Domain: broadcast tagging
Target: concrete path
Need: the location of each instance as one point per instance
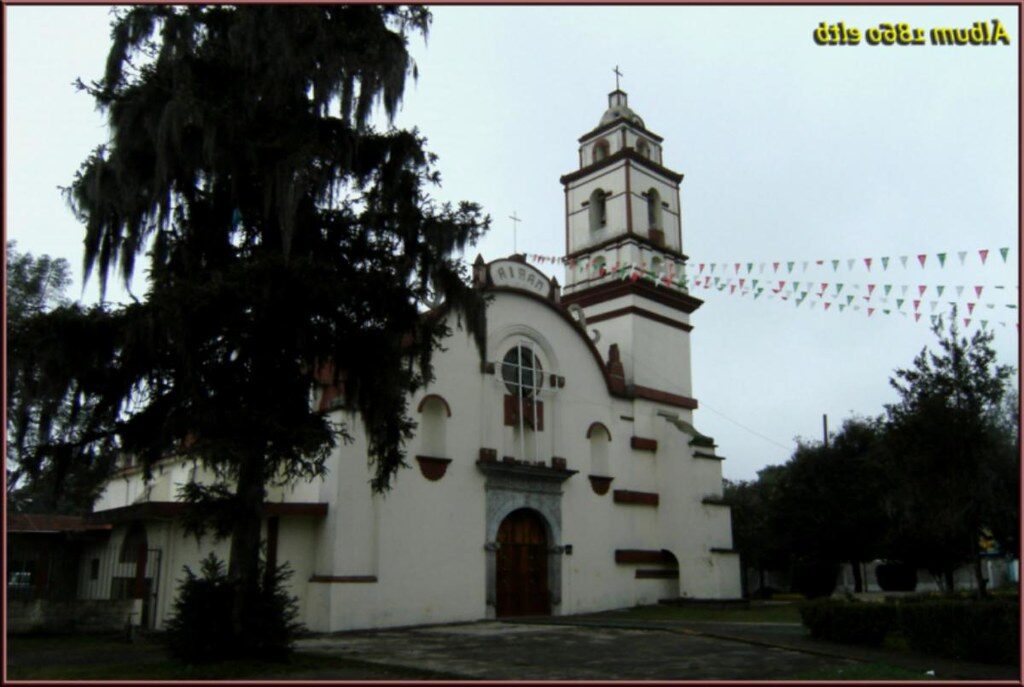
(522, 651)
(603, 647)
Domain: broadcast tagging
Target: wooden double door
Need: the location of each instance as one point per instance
(522, 566)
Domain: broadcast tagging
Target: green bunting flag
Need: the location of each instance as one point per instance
(835, 265)
(942, 259)
(750, 266)
(839, 288)
(1004, 252)
(903, 261)
(940, 289)
(849, 299)
(899, 302)
(789, 267)
(888, 288)
(885, 263)
(841, 307)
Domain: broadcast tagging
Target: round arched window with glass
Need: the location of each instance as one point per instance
(522, 372)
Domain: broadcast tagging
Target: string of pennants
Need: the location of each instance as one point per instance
(787, 266)
(885, 294)
(798, 291)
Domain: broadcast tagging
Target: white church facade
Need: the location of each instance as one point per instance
(562, 475)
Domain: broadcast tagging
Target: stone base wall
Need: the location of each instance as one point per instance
(78, 615)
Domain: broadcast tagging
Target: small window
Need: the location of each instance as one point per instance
(600, 150)
(522, 372)
(643, 148)
(653, 209)
(598, 210)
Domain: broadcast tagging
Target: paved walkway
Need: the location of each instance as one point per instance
(601, 646)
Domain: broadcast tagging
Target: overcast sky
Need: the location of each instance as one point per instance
(791, 152)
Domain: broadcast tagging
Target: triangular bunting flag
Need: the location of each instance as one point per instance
(741, 282)
(841, 307)
(885, 263)
(867, 261)
(984, 255)
(917, 304)
(933, 305)
(804, 265)
(984, 323)
(789, 267)
(959, 291)
(921, 288)
(977, 290)
(775, 266)
(839, 287)
(903, 261)
(750, 267)
(871, 289)
(917, 316)
(942, 259)
(737, 268)
(888, 288)
(781, 285)
(826, 305)
(835, 265)
(849, 263)
(962, 254)
(1004, 252)
(940, 288)
(903, 289)
(871, 311)
(967, 322)
(712, 270)
(921, 258)
(849, 299)
(899, 302)
(970, 308)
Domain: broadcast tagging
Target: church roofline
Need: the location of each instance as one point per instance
(623, 154)
(610, 290)
(620, 122)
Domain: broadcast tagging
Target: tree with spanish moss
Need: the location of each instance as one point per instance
(288, 243)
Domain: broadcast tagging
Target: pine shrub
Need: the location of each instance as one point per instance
(201, 631)
(852, 622)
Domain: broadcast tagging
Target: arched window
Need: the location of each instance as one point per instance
(600, 150)
(433, 426)
(598, 210)
(643, 148)
(653, 209)
(600, 440)
(522, 372)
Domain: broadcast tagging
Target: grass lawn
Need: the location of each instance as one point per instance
(109, 657)
(756, 613)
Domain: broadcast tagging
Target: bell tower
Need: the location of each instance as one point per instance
(625, 265)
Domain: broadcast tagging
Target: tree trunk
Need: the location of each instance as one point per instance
(243, 568)
(979, 574)
(947, 575)
(858, 579)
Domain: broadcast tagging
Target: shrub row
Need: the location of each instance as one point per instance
(967, 630)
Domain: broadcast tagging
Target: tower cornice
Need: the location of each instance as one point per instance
(603, 128)
(618, 156)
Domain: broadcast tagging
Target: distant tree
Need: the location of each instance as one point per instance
(36, 482)
(289, 245)
(752, 532)
(955, 468)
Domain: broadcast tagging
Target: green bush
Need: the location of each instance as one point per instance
(968, 630)
(201, 630)
(852, 622)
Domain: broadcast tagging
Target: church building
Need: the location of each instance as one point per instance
(562, 475)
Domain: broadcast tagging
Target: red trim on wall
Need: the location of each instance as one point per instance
(639, 312)
(640, 498)
(617, 289)
(643, 556)
(595, 425)
(433, 468)
(600, 484)
(643, 444)
(437, 397)
(646, 574)
(664, 397)
(342, 579)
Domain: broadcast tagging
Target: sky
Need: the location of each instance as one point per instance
(792, 153)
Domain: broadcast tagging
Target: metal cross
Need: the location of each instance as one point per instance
(617, 75)
(515, 226)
